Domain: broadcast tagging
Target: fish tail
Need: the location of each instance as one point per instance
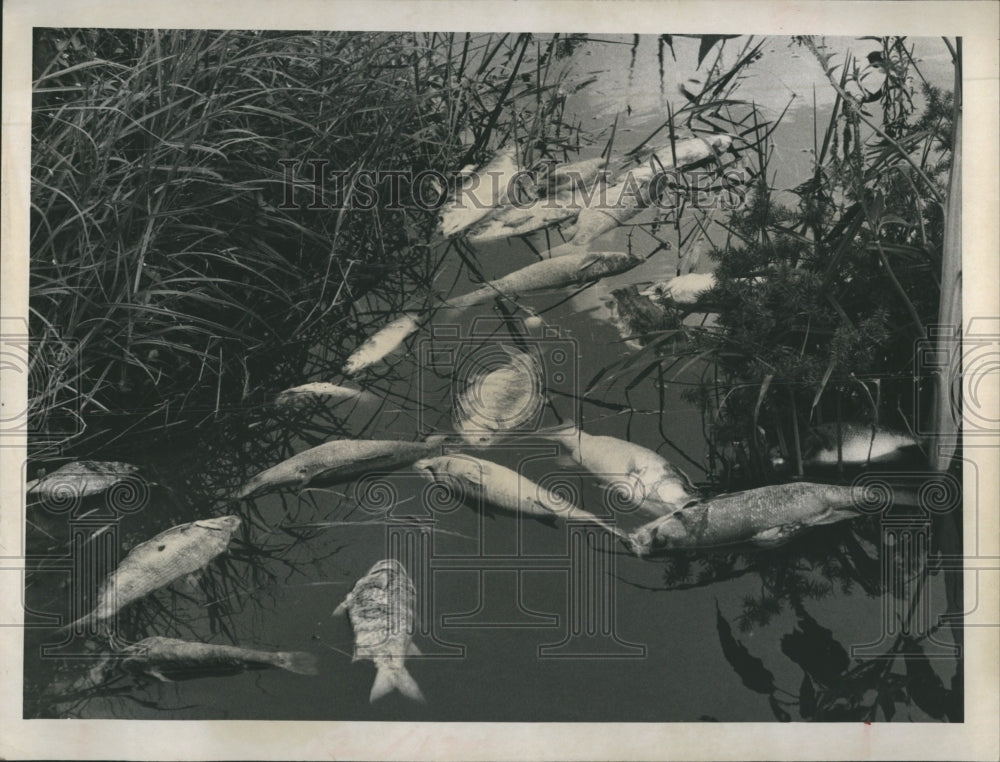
(392, 679)
(298, 662)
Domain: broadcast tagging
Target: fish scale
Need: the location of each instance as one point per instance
(764, 516)
(155, 563)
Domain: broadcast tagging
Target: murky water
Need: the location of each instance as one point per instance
(519, 620)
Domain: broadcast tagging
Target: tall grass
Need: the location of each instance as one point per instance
(162, 255)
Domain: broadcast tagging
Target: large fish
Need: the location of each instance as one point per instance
(158, 655)
(644, 478)
(178, 552)
(80, 479)
(577, 269)
(480, 193)
(381, 344)
(338, 461)
(765, 517)
(858, 444)
(490, 484)
(629, 195)
(382, 607)
(564, 195)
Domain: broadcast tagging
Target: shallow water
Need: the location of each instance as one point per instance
(519, 620)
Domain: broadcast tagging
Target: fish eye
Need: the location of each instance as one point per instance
(162, 547)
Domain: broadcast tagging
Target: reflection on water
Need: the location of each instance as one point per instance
(832, 626)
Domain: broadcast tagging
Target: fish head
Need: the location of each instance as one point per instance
(227, 524)
(661, 534)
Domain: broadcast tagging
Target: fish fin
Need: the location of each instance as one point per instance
(193, 579)
(155, 672)
(772, 537)
(833, 515)
(388, 680)
(343, 606)
(413, 650)
(566, 461)
(299, 662)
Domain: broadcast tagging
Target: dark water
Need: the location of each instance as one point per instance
(520, 620)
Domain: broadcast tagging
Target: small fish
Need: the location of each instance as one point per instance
(685, 290)
(481, 481)
(338, 461)
(178, 552)
(157, 655)
(81, 479)
(382, 608)
(499, 399)
(321, 390)
(650, 482)
(577, 269)
(765, 517)
(481, 192)
(859, 444)
(383, 343)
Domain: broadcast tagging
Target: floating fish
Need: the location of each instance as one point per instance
(81, 479)
(382, 608)
(481, 192)
(765, 517)
(339, 461)
(859, 444)
(157, 655)
(562, 200)
(481, 481)
(499, 399)
(684, 289)
(577, 269)
(178, 552)
(644, 478)
(321, 390)
(629, 195)
(383, 343)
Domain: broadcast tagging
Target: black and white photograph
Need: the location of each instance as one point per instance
(589, 378)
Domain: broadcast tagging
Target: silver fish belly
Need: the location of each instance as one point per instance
(338, 461)
(158, 654)
(642, 477)
(575, 269)
(167, 557)
(383, 343)
(765, 517)
(482, 192)
(382, 608)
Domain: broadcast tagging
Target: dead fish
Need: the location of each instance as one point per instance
(481, 192)
(321, 390)
(81, 479)
(629, 195)
(487, 483)
(338, 461)
(561, 199)
(382, 608)
(577, 269)
(859, 444)
(178, 552)
(383, 343)
(499, 399)
(156, 655)
(765, 517)
(644, 478)
(684, 289)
